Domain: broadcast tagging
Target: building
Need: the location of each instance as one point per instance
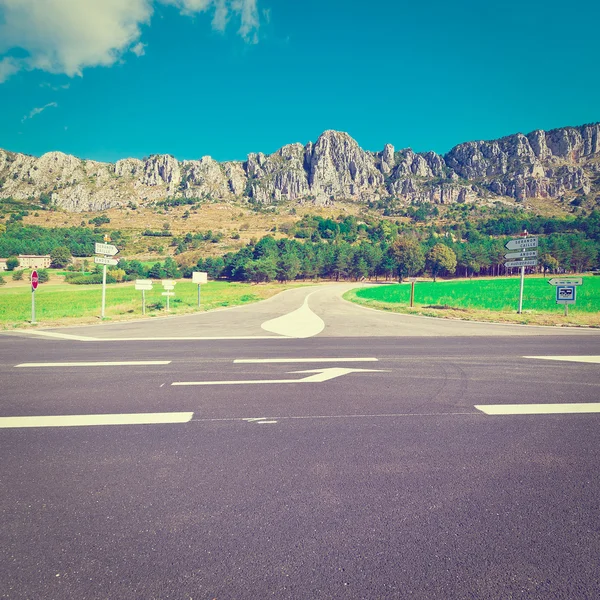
(2, 264)
(34, 261)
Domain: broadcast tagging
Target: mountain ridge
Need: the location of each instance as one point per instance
(556, 164)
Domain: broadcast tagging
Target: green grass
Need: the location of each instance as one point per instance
(487, 294)
(68, 304)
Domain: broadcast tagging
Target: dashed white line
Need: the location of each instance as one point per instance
(299, 360)
(539, 409)
(90, 420)
(123, 363)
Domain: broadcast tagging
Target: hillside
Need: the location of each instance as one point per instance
(560, 166)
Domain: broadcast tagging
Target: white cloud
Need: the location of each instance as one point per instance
(139, 49)
(37, 111)
(66, 36)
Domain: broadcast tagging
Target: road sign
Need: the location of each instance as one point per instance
(107, 249)
(524, 254)
(521, 263)
(168, 293)
(103, 260)
(529, 242)
(167, 282)
(565, 294)
(34, 280)
(571, 281)
(169, 287)
(143, 282)
(143, 288)
(199, 277)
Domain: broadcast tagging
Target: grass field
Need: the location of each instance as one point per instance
(487, 300)
(64, 304)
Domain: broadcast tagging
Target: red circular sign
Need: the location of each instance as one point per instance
(34, 280)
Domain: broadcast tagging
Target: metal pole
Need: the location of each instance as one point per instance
(168, 300)
(521, 291)
(103, 289)
(32, 306)
(143, 302)
(412, 293)
(566, 310)
(198, 295)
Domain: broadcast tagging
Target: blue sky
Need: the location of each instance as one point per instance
(118, 78)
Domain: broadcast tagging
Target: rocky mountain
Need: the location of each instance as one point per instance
(554, 164)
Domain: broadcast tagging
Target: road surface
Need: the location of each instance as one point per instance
(301, 447)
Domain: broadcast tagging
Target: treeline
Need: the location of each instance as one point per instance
(31, 239)
(405, 255)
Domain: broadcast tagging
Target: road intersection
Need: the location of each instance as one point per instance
(300, 447)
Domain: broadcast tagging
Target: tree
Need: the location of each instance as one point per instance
(441, 258)
(409, 256)
(43, 276)
(17, 275)
(60, 257)
(12, 263)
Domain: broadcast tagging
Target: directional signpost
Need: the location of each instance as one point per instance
(566, 290)
(144, 285)
(107, 250)
(34, 283)
(169, 286)
(528, 259)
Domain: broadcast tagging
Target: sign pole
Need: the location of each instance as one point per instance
(521, 290)
(32, 305)
(103, 289)
(143, 302)
(167, 303)
(412, 293)
(566, 310)
(198, 295)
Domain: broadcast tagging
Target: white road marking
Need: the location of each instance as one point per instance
(259, 421)
(300, 360)
(301, 323)
(266, 422)
(582, 359)
(89, 420)
(319, 376)
(60, 336)
(83, 338)
(539, 409)
(124, 363)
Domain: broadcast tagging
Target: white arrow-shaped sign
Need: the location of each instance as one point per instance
(524, 254)
(104, 260)
(319, 376)
(572, 281)
(107, 249)
(530, 242)
(521, 263)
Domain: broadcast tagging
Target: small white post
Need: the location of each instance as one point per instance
(198, 295)
(521, 290)
(32, 306)
(103, 289)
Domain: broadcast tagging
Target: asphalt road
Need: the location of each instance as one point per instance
(385, 482)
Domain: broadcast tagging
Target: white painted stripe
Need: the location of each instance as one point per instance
(300, 360)
(539, 409)
(582, 359)
(124, 363)
(88, 420)
(266, 422)
(60, 336)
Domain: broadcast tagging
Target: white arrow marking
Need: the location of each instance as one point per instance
(319, 376)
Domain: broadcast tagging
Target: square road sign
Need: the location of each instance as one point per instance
(565, 294)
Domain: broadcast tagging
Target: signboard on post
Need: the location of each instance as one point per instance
(199, 277)
(168, 285)
(34, 283)
(103, 260)
(143, 285)
(521, 263)
(107, 249)
(529, 259)
(566, 294)
(567, 281)
(525, 242)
